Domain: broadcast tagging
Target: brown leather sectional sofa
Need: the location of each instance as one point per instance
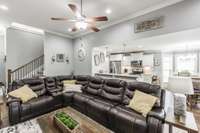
(103, 100)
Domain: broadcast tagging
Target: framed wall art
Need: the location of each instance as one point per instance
(102, 57)
(81, 54)
(60, 57)
(96, 60)
(147, 25)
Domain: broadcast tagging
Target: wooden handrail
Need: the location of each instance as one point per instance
(28, 70)
(27, 63)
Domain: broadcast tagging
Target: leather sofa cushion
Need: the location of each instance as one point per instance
(144, 87)
(37, 85)
(41, 103)
(59, 80)
(25, 109)
(15, 85)
(80, 100)
(68, 98)
(82, 79)
(81, 97)
(65, 77)
(98, 110)
(113, 90)
(125, 120)
(40, 90)
(94, 87)
(51, 87)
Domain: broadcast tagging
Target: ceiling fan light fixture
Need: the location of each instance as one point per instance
(108, 11)
(81, 25)
(3, 7)
(70, 29)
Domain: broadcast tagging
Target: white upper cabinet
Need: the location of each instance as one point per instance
(136, 56)
(148, 60)
(116, 57)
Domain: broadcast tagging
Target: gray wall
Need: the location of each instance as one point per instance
(57, 45)
(2, 63)
(178, 17)
(22, 47)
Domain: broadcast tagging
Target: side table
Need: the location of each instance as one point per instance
(189, 123)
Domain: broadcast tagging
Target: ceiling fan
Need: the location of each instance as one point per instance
(81, 21)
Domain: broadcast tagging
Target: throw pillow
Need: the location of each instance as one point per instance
(24, 93)
(142, 102)
(66, 82)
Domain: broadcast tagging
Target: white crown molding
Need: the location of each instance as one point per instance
(59, 34)
(47, 31)
(134, 15)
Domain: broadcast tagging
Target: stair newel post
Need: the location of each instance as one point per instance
(9, 76)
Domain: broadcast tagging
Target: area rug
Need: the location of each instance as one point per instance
(31, 126)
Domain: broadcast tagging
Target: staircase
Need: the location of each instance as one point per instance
(34, 68)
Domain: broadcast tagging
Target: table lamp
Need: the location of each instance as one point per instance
(147, 74)
(180, 86)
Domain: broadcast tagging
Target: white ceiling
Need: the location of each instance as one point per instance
(37, 13)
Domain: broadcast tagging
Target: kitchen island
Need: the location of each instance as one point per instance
(127, 77)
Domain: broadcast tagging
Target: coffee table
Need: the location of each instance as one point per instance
(87, 125)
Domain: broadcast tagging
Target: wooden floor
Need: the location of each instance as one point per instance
(196, 111)
(5, 122)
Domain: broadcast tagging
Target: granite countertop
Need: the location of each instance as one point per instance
(119, 75)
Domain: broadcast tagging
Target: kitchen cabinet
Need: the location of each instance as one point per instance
(116, 57)
(136, 56)
(147, 60)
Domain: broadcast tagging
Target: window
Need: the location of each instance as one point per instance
(179, 62)
(167, 66)
(186, 62)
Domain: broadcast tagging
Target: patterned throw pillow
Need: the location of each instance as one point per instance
(142, 102)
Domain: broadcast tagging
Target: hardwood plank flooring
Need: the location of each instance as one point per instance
(196, 111)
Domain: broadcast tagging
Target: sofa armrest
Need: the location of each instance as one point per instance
(14, 108)
(56, 94)
(68, 98)
(163, 98)
(83, 88)
(158, 113)
(154, 125)
(12, 99)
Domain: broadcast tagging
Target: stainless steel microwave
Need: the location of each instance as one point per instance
(136, 63)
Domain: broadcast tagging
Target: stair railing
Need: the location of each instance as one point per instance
(32, 69)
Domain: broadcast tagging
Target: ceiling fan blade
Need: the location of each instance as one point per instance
(61, 19)
(100, 18)
(95, 29)
(75, 10)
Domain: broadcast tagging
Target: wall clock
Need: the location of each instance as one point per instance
(81, 54)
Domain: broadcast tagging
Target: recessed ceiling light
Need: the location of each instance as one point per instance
(3, 7)
(108, 11)
(70, 29)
